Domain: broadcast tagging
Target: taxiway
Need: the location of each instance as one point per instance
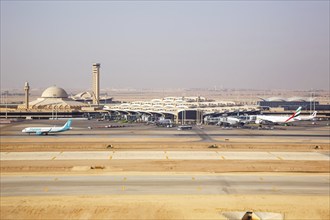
(165, 184)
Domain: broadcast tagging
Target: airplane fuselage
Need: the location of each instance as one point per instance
(47, 130)
(274, 119)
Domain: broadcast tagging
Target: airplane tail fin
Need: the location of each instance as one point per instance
(314, 114)
(295, 114)
(67, 125)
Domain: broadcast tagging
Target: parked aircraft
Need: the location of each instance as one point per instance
(46, 130)
(307, 118)
(247, 119)
(229, 121)
(164, 123)
(276, 119)
(211, 120)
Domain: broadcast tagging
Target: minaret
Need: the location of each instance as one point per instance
(27, 92)
(96, 83)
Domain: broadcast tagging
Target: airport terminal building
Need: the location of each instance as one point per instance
(87, 98)
(53, 98)
(179, 109)
(290, 104)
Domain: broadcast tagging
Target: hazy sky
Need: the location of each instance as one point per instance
(176, 44)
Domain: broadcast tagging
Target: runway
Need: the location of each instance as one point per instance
(195, 134)
(163, 155)
(205, 133)
(164, 184)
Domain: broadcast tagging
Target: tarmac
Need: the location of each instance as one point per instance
(163, 155)
(164, 185)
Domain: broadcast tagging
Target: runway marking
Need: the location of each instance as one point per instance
(280, 183)
(275, 189)
(55, 179)
(165, 152)
(193, 178)
(180, 155)
(261, 179)
(278, 157)
(124, 179)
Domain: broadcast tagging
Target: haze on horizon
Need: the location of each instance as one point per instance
(176, 44)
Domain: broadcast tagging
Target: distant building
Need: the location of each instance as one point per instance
(96, 83)
(292, 103)
(53, 98)
(27, 95)
(87, 97)
(178, 109)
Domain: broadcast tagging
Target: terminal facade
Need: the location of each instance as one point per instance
(183, 110)
(290, 104)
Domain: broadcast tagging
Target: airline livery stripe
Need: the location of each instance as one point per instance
(292, 116)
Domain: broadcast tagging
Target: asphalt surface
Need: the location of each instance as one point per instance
(208, 133)
(164, 184)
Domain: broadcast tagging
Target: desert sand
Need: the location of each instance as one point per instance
(161, 207)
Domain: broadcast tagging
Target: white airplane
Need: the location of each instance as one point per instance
(164, 122)
(229, 121)
(307, 118)
(275, 119)
(46, 130)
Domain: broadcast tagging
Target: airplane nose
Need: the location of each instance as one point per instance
(23, 130)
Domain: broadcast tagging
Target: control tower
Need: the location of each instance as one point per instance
(96, 83)
(27, 93)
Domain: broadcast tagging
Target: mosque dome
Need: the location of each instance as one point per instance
(54, 92)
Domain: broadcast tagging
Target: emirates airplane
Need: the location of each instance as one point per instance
(46, 130)
(279, 119)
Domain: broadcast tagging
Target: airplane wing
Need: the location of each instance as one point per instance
(45, 132)
(226, 123)
(264, 121)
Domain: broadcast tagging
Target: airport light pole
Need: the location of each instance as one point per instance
(310, 103)
(6, 92)
(314, 102)
(54, 110)
(184, 116)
